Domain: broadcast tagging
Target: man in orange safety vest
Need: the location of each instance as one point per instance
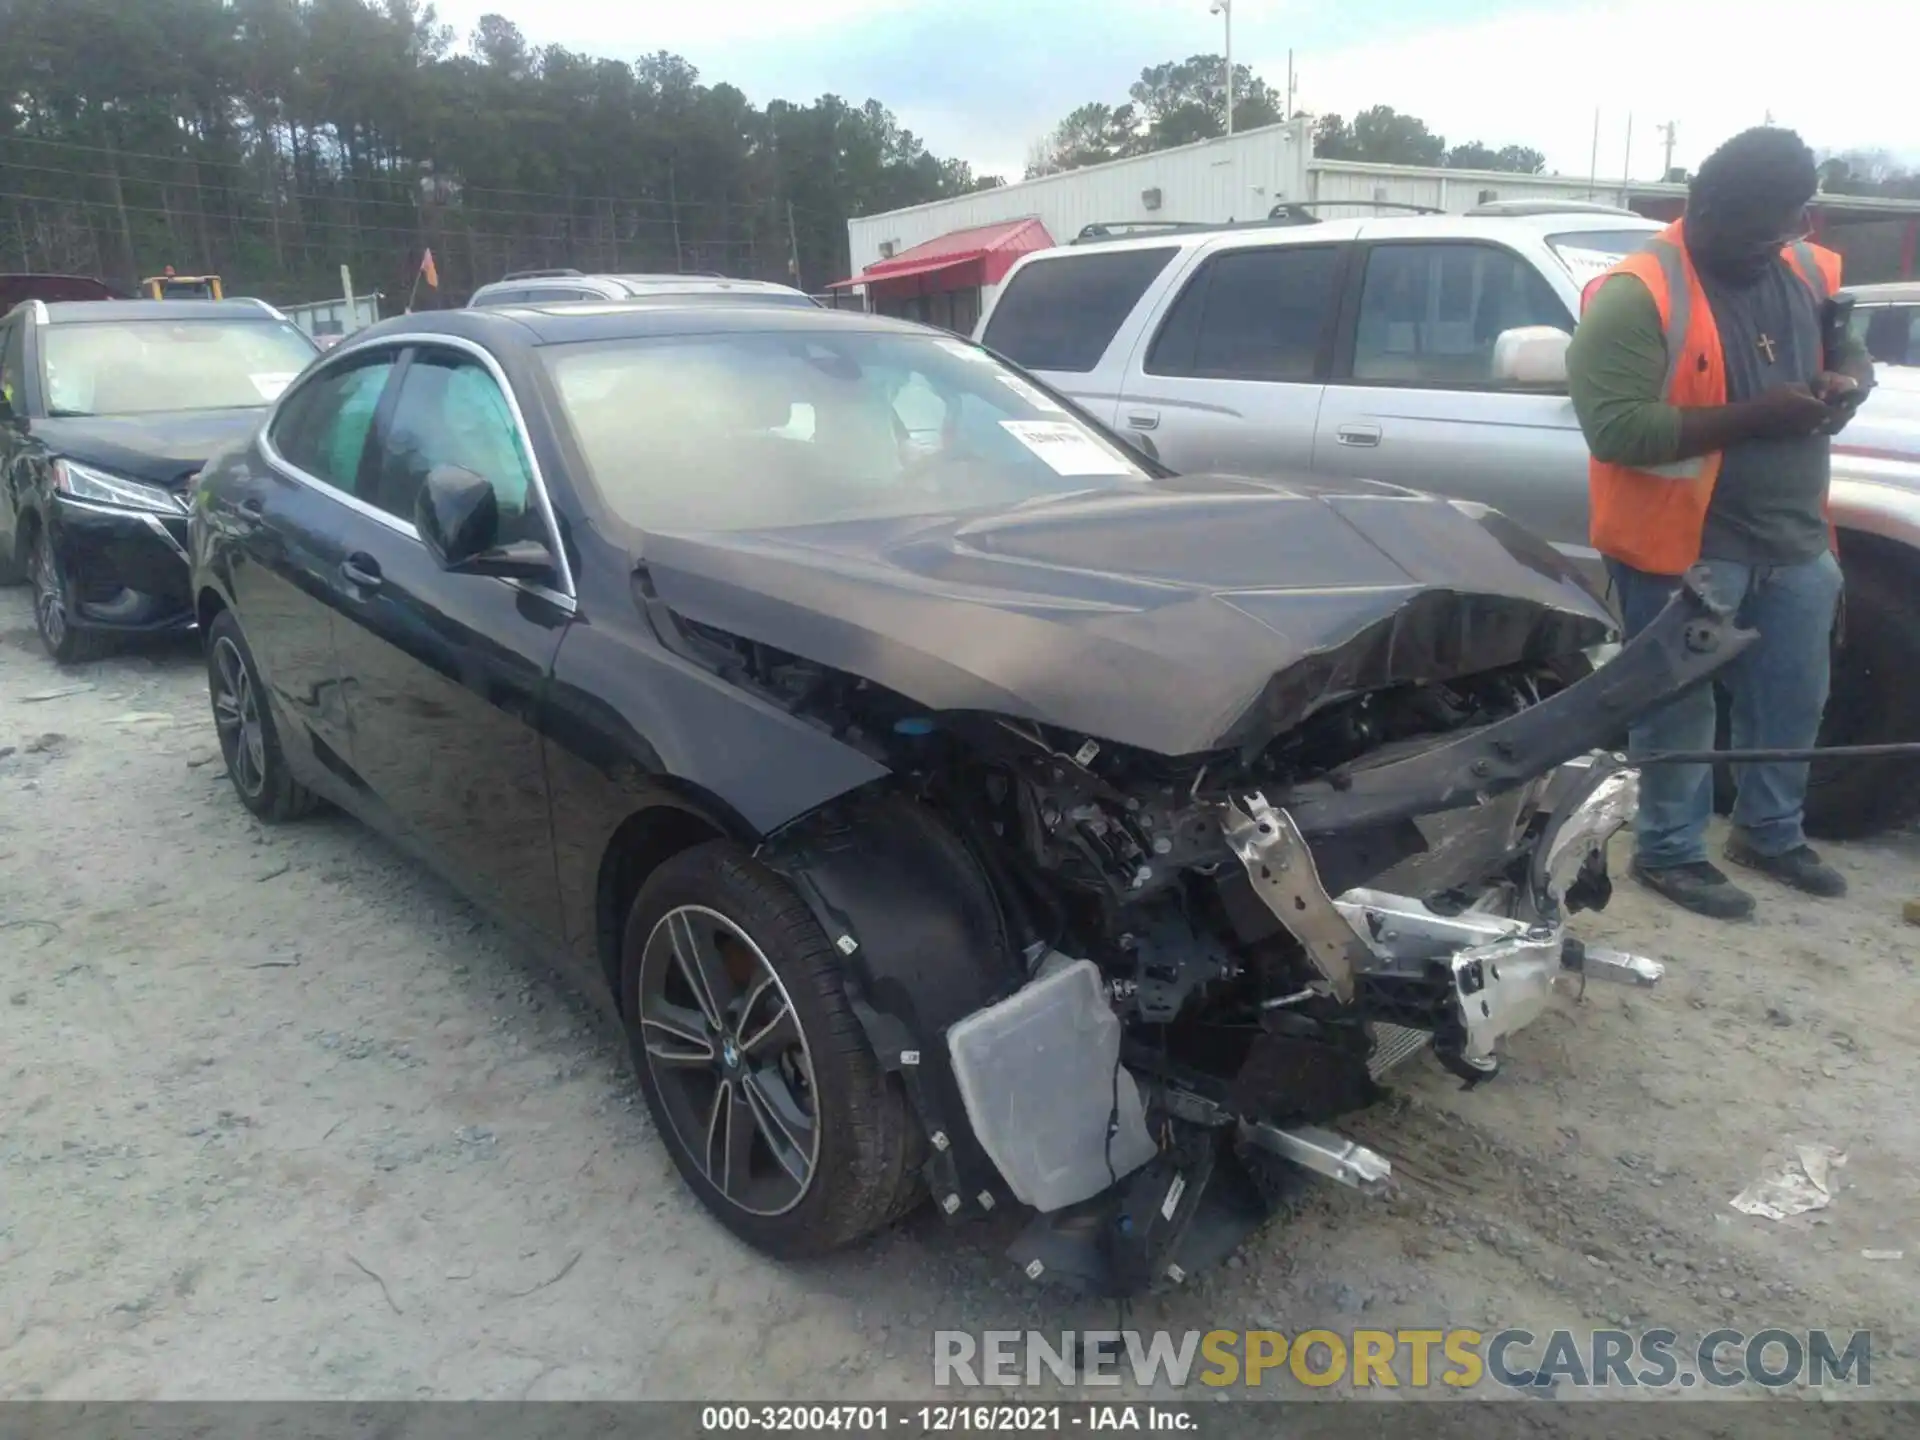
(1708, 388)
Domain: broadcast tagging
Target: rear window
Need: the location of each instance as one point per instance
(1251, 315)
(1062, 314)
(1588, 253)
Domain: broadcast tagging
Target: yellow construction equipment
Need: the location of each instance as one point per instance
(182, 287)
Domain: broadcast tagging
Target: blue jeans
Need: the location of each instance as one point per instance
(1778, 688)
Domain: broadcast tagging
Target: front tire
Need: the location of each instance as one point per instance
(53, 605)
(756, 1071)
(256, 763)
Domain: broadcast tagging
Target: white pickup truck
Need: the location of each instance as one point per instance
(1419, 350)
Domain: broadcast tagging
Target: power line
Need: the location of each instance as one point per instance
(250, 168)
(581, 203)
(365, 230)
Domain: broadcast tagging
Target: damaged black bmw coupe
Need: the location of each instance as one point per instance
(948, 800)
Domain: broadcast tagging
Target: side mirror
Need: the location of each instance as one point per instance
(458, 517)
(1532, 357)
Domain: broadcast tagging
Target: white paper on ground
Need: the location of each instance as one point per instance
(1066, 448)
(1792, 1186)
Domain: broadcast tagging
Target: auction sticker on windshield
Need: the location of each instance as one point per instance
(1066, 448)
(271, 383)
(964, 351)
(1034, 396)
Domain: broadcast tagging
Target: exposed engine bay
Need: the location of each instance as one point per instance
(1131, 991)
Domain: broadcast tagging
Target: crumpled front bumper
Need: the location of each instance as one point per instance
(1473, 977)
(126, 569)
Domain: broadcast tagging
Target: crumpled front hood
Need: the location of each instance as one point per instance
(160, 448)
(1190, 615)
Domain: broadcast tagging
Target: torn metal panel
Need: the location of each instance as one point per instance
(1280, 866)
(1686, 643)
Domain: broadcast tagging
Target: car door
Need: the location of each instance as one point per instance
(1231, 380)
(1414, 400)
(445, 673)
(288, 519)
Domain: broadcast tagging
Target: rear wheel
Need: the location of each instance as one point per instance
(754, 1067)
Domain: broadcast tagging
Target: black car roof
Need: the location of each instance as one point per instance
(575, 321)
(77, 312)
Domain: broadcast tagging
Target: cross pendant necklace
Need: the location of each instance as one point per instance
(1765, 345)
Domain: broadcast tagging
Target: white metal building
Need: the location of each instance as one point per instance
(1242, 177)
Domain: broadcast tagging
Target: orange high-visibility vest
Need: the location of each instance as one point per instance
(1654, 519)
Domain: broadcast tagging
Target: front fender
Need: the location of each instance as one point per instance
(904, 900)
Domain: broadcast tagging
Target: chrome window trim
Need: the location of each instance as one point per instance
(40, 316)
(566, 597)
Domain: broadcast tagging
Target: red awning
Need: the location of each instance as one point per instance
(979, 256)
(931, 266)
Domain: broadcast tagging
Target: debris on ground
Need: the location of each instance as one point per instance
(1792, 1186)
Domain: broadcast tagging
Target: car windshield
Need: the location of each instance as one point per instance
(140, 367)
(765, 429)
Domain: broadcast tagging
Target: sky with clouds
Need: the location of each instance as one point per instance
(982, 79)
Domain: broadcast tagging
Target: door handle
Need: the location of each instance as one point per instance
(1143, 419)
(1360, 435)
(361, 570)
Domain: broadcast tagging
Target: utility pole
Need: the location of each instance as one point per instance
(1290, 85)
(1666, 165)
(793, 248)
(673, 208)
(1225, 8)
(1626, 165)
(1593, 169)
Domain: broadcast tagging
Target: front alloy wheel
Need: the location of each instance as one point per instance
(236, 715)
(248, 743)
(757, 1074)
(52, 610)
(730, 1060)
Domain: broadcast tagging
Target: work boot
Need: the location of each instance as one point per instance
(1699, 887)
(1800, 867)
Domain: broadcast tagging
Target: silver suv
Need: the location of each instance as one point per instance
(1429, 351)
(1886, 319)
(531, 287)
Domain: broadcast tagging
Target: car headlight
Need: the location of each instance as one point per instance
(83, 482)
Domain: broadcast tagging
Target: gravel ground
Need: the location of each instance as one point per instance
(285, 1118)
